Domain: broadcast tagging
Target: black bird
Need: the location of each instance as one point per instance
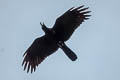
(55, 37)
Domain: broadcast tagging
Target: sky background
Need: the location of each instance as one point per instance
(96, 42)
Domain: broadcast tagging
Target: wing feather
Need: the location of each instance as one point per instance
(69, 21)
(38, 51)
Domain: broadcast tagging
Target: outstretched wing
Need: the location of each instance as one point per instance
(38, 51)
(69, 21)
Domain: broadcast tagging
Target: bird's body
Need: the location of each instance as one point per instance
(54, 38)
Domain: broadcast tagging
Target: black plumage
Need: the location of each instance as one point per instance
(55, 37)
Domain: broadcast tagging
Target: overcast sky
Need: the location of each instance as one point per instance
(96, 42)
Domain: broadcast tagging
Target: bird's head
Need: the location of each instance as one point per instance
(44, 28)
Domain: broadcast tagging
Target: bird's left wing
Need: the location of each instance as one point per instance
(70, 20)
(38, 51)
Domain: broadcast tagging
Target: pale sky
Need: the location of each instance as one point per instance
(96, 42)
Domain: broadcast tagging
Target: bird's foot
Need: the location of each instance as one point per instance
(61, 44)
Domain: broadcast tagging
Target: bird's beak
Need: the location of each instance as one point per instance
(41, 24)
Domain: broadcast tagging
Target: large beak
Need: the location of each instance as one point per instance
(41, 24)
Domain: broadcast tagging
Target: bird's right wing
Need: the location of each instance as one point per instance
(38, 51)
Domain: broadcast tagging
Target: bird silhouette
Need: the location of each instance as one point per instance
(55, 38)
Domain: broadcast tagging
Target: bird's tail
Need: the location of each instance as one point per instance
(71, 55)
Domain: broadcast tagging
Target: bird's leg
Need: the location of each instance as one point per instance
(61, 44)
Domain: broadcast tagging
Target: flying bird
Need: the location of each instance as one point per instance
(55, 38)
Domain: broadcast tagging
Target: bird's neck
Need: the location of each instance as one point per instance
(45, 29)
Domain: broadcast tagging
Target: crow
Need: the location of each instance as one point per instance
(55, 38)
